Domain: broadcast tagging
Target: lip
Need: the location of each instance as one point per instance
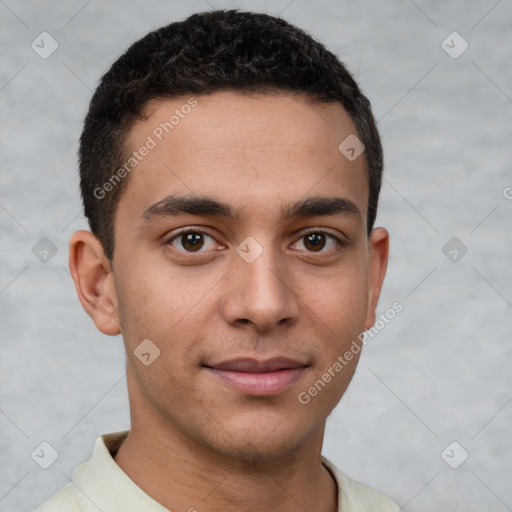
(258, 378)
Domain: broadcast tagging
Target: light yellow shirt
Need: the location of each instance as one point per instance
(101, 485)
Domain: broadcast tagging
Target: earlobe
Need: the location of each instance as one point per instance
(379, 251)
(94, 281)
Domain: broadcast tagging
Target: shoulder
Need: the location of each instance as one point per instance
(64, 500)
(358, 497)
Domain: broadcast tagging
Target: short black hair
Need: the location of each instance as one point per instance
(205, 53)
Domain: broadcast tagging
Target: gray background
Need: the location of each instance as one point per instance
(438, 373)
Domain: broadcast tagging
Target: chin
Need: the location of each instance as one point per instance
(259, 440)
(257, 450)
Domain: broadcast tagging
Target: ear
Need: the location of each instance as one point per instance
(94, 281)
(379, 251)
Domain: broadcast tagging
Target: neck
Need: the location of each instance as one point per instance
(182, 474)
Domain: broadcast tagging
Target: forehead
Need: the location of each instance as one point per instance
(245, 148)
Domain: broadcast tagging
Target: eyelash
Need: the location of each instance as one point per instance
(338, 241)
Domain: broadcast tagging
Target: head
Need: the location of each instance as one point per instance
(229, 125)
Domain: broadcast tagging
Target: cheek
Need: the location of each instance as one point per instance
(153, 299)
(340, 300)
(337, 313)
(170, 309)
(135, 307)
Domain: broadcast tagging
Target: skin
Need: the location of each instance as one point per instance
(195, 441)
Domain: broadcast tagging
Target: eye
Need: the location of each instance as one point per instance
(192, 241)
(316, 241)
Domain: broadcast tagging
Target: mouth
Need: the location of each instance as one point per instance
(258, 378)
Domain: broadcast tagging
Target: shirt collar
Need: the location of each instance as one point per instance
(103, 486)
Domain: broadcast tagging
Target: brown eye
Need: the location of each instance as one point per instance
(314, 241)
(319, 242)
(191, 241)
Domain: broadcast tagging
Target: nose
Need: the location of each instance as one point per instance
(260, 293)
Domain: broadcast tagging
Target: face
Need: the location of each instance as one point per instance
(241, 253)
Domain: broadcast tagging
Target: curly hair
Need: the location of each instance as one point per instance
(206, 53)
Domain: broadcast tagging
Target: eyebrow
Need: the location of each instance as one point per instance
(206, 206)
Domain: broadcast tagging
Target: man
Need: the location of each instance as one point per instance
(230, 172)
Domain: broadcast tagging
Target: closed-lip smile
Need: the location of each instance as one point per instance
(258, 377)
